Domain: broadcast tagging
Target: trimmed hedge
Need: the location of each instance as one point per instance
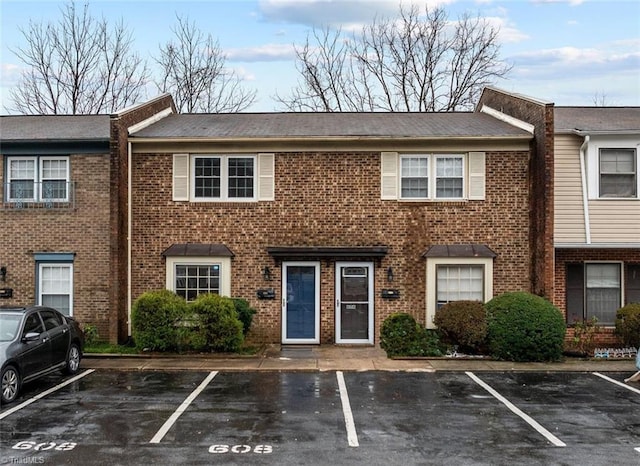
(463, 323)
(218, 322)
(628, 324)
(154, 316)
(245, 313)
(524, 327)
(401, 335)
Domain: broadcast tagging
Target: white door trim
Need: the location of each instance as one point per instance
(370, 314)
(316, 338)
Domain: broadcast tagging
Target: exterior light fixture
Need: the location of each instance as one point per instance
(266, 274)
(3, 273)
(389, 274)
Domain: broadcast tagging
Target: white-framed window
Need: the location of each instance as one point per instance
(190, 276)
(223, 177)
(459, 283)
(618, 173)
(55, 286)
(432, 177)
(37, 179)
(603, 291)
(455, 279)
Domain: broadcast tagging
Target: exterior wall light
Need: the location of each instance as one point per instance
(389, 274)
(266, 274)
(3, 273)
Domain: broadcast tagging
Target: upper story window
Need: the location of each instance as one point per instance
(219, 177)
(429, 177)
(618, 172)
(37, 179)
(223, 178)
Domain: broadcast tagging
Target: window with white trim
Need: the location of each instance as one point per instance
(55, 286)
(191, 276)
(459, 283)
(618, 171)
(457, 278)
(223, 178)
(37, 179)
(432, 176)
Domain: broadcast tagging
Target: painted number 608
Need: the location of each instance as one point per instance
(260, 449)
(44, 446)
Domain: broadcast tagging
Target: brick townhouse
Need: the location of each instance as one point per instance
(326, 222)
(60, 212)
(595, 208)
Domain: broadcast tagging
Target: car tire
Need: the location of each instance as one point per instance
(73, 359)
(10, 380)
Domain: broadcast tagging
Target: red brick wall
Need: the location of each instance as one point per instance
(332, 199)
(83, 231)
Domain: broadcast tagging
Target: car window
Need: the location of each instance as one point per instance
(33, 324)
(9, 326)
(51, 319)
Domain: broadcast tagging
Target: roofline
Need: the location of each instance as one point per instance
(134, 139)
(518, 96)
(132, 108)
(587, 132)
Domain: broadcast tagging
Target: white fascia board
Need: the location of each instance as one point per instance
(529, 128)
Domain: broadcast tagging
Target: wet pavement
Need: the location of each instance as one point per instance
(320, 406)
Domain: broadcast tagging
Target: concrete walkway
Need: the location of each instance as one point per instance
(339, 358)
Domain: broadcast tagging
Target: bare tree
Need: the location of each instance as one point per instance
(193, 71)
(420, 63)
(78, 65)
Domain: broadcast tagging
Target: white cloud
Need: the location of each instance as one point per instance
(263, 53)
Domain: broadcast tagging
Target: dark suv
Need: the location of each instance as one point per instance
(35, 341)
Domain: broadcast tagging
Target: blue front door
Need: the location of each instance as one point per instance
(301, 302)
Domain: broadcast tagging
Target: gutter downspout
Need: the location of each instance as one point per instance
(129, 229)
(585, 194)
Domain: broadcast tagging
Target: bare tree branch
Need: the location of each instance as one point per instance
(416, 62)
(77, 65)
(193, 69)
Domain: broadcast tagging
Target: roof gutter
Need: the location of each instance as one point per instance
(173, 139)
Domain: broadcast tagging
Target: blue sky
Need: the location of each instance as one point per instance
(568, 52)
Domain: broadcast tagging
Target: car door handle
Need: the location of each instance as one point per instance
(44, 340)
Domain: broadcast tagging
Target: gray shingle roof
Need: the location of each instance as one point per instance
(54, 127)
(597, 119)
(310, 125)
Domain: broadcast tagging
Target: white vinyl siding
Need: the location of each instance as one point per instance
(569, 220)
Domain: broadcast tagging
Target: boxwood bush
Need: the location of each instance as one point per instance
(154, 318)
(628, 324)
(524, 327)
(401, 335)
(218, 323)
(463, 323)
(245, 313)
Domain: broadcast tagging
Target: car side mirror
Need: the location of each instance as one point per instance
(31, 336)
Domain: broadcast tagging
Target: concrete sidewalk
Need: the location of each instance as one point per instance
(339, 358)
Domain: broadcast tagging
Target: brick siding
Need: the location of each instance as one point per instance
(332, 199)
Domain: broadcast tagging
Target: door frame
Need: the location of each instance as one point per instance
(316, 338)
(371, 312)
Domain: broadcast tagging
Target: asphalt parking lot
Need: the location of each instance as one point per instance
(334, 417)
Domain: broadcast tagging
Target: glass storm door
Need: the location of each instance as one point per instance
(354, 302)
(301, 302)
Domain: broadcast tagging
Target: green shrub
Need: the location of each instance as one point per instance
(154, 316)
(90, 334)
(401, 335)
(524, 327)
(628, 324)
(245, 313)
(463, 323)
(219, 323)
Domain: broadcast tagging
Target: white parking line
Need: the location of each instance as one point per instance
(182, 408)
(352, 435)
(533, 423)
(45, 393)
(608, 379)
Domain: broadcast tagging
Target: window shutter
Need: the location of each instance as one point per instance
(180, 177)
(574, 291)
(389, 175)
(266, 177)
(476, 175)
(632, 292)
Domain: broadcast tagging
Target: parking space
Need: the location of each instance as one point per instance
(187, 417)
